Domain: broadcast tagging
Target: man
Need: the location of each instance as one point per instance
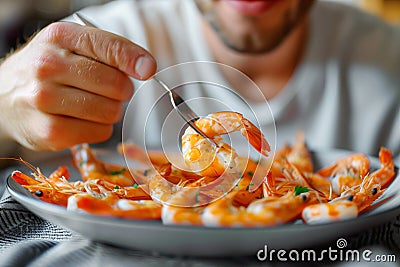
(326, 69)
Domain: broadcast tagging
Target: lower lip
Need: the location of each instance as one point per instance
(252, 8)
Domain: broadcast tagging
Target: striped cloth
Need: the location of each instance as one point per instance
(28, 240)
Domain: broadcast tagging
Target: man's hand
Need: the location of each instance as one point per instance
(67, 86)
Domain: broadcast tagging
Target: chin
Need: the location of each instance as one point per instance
(253, 47)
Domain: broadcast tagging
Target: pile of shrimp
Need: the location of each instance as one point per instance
(291, 190)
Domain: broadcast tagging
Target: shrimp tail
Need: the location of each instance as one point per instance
(255, 137)
(386, 173)
(92, 168)
(61, 171)
(85, 161)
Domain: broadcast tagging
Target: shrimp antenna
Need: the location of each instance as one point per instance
(36, 170)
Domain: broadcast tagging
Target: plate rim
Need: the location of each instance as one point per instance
(17, 194)
(53, 211)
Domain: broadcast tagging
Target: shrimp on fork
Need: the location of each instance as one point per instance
(199, 154)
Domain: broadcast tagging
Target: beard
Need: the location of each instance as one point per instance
(256, 37)
(251, 43)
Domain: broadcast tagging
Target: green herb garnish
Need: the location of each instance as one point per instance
(299, 189)
(117, 172)
(117, 187)
(250, 173)
(135, 186)
(248, 187)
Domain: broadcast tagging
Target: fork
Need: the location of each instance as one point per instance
(183, 109)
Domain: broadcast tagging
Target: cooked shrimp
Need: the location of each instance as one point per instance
(260, 213)
(156, 160)
(320, 184)
(112, 205)
(211, 188)
(61, 171)
(352, 202)
(186, 205)
(329, 212)
(23, 179)
(366, 193)
(372, 185)
(346, 172)
(291, 177)
(245, 185)
(207, 160)
(54, 190)
(181, 215)
(58, 190)
(91, 168)
(192, 215)
(160, 189)
(184, 208)
(386, 173)
(135, 192)
(279, 158)
(138, 154)
(163, 183)
(299, 155)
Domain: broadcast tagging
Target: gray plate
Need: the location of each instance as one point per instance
(201, 241)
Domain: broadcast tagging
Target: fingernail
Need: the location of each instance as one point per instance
(144, 66)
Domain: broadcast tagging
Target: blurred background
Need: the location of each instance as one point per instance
(19, 19)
